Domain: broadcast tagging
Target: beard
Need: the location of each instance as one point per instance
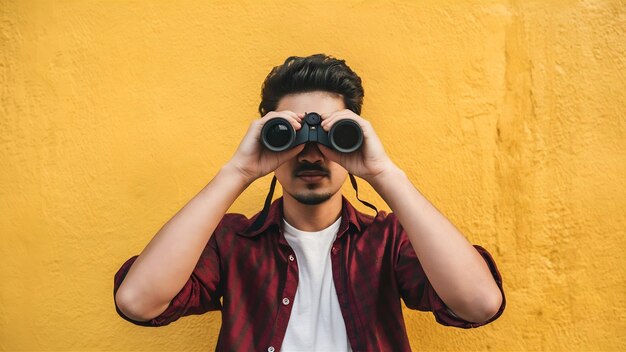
(313, 195)
(312, 198)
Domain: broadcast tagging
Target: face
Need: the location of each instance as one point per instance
(310, 178)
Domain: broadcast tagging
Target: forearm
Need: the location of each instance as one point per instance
(456, 270)
(165, 265)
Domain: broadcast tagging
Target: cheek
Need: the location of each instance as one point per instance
(282, 173)
(339, 173)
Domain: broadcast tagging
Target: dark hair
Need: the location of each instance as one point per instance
(317, 72)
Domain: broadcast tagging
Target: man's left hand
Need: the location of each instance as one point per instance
(369, 160)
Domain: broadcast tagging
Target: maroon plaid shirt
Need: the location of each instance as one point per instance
(256, 275)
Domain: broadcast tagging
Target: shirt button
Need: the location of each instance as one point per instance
(285, 301)
(291, 258)
(335, 250)
(271, 349)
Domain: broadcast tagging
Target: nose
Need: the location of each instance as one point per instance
(311, 153)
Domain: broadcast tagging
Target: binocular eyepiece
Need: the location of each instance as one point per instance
(345, 136)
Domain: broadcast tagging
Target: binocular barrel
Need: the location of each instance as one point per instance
(345, 136)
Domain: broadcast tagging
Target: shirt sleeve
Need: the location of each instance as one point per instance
(418, 293)
(201, 293)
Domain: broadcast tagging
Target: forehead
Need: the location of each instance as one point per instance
(318, 101)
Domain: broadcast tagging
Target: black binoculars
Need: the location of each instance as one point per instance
(345, 136)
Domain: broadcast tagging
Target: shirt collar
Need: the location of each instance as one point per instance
(349, 215)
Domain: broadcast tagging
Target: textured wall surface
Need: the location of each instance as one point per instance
(509, 116)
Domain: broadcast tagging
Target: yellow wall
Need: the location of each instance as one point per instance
(509, 116)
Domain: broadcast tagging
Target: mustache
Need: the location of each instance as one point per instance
(309, 167)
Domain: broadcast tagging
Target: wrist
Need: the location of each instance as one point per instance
(390, 173)
(235, 172)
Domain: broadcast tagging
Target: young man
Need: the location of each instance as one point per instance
(310, 273)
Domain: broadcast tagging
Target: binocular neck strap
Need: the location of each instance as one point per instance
(356, 189)
(266, 208)
(268, 201)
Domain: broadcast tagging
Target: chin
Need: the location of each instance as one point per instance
(312, 198)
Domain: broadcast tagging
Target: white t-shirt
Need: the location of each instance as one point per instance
(316, 323)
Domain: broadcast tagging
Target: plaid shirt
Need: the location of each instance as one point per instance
(255, 274)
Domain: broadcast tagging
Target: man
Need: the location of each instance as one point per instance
(310, 273)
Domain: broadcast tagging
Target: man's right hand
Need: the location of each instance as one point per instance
(175, 250)
(252, 159)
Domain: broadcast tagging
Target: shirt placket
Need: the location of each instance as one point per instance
(339, 278)
(287, 295)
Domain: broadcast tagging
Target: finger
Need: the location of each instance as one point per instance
(284, 114)
(359, 119)
(345, 115)
(334, 116)
(290, 117)
(327, 115)
(327, 124)
(294, 123)
(290, 113)
(330, 114)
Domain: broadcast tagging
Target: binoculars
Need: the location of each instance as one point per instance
(345, 136)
